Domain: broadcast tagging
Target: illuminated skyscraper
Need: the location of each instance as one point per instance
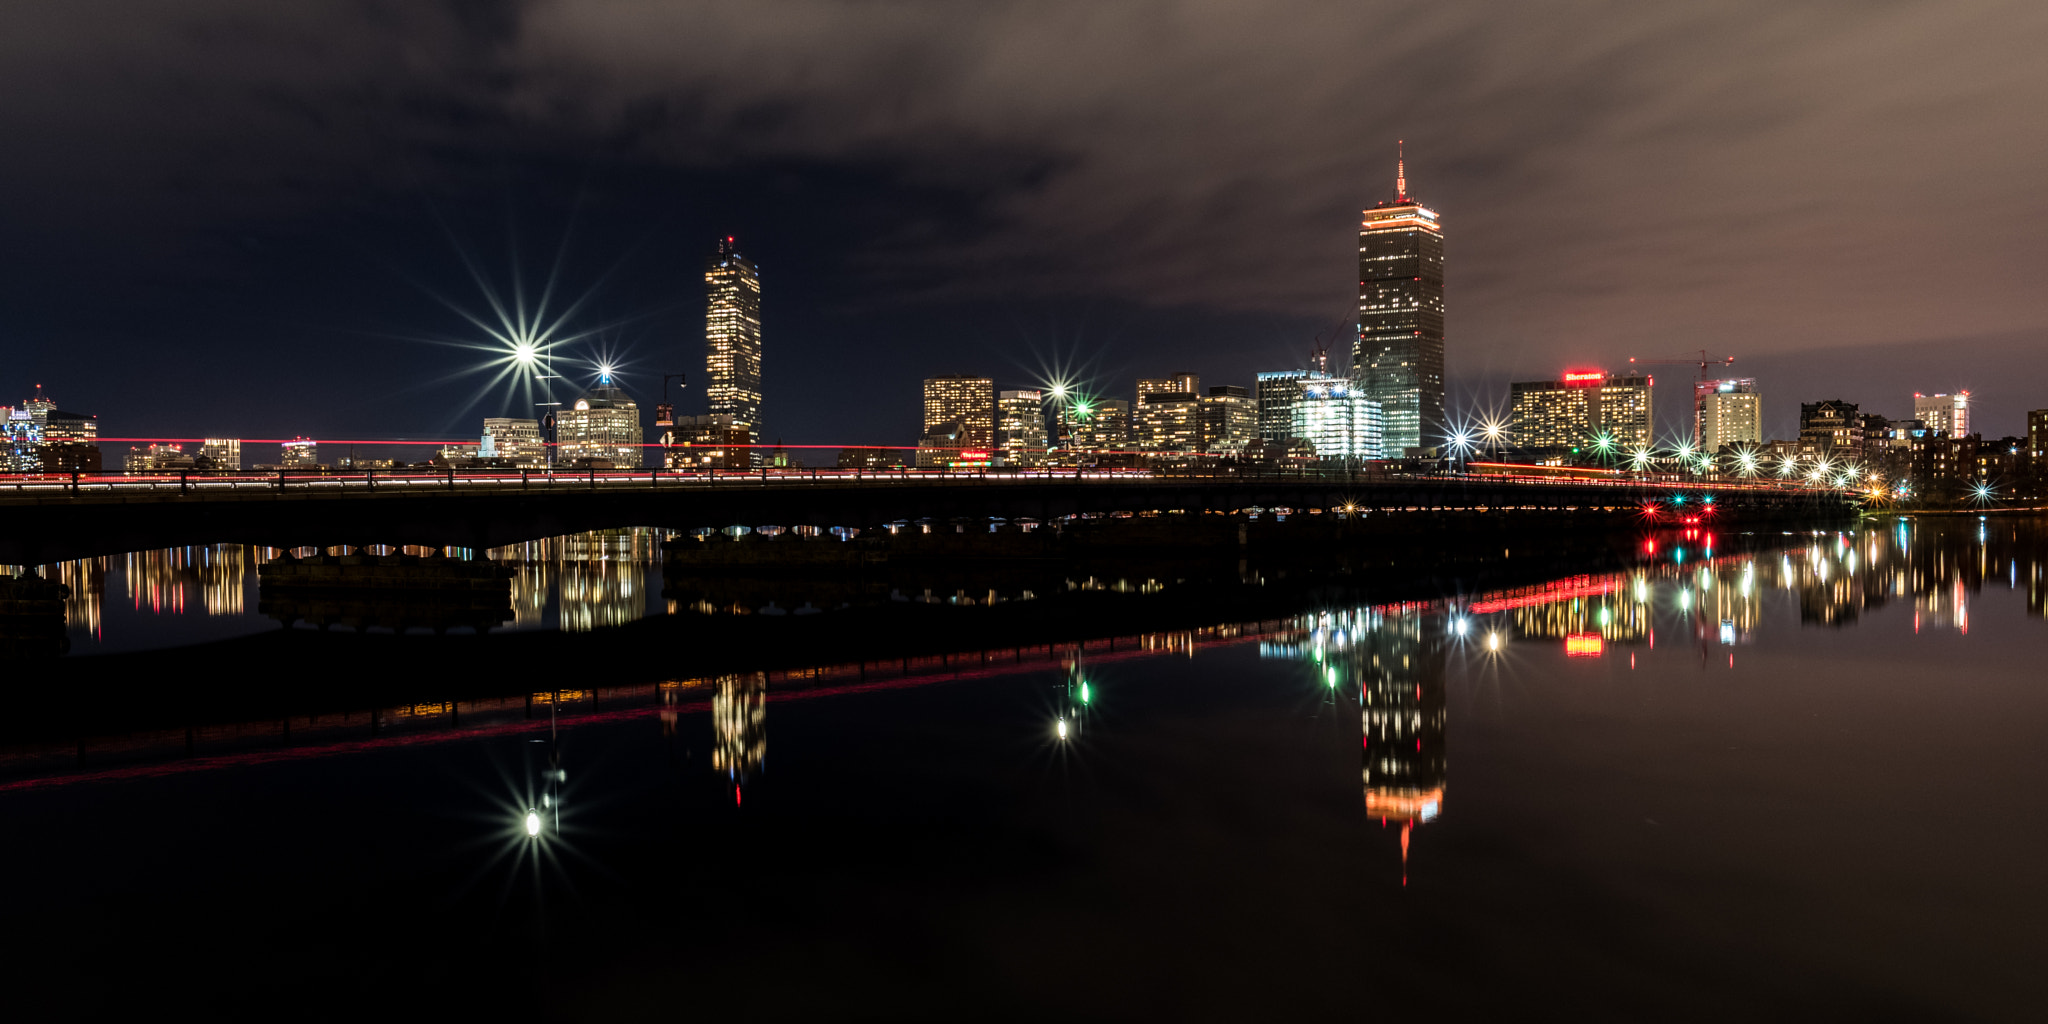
(732, 337)
(1399, 355)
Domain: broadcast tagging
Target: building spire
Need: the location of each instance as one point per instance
(1401, 170)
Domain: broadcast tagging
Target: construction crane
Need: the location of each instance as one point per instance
(1699, 385)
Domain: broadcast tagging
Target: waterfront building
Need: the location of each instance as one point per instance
(710, 442)
(1168, 421)
(1020, 427)
(1555, 417)
(1947, 414)
(300, 453)
(1726, 413)
(513, 442)
(1229, 420)
(158, 458)
(1340, 421)
(601, 430)
(732, 337)
(959, 421)
(220, 453)
(2037, 433)
(1830, 429)
(1399, 354)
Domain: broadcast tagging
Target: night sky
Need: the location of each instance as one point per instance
(251, 219)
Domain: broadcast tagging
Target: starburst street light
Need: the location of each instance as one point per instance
(1642, 458)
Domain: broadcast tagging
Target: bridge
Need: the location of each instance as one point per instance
(46, 519)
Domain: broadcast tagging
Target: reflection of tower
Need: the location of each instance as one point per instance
(739, 720)
(1401, 686)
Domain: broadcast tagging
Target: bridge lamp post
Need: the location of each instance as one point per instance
(542, 363)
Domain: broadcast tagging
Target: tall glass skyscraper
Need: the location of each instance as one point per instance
(732, 337)
(1399, 358)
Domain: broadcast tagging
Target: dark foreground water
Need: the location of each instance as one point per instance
(1800, 783)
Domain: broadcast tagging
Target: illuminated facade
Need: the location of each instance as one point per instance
(1088, 429)
(2037, 433)
(732, 337)
(158, 458)
(959, 421)
(1168, 421)
(1830, 427)
(600, 431)
(38, 437)
(1179, 383)
(1276, 393)
(1338, 418)
(515, 441)
(1399, 354)
(1727, 412)
(222, 453)
(301, 453)
(1948, 415)
(1020, 427)
(1229, 420)
(1572, 412)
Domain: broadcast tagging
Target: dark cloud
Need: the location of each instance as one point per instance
(1617, 179)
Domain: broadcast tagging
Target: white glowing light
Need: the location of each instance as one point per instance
(1062, 728)
(532, 823)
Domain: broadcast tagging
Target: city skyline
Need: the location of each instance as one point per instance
(1185, 206)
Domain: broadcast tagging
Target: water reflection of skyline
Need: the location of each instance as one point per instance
(603, 579)
(595, 579)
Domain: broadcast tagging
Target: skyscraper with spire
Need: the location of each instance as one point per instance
(732, 337)
(1399, 354)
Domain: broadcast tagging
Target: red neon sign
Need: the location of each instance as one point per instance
(1584, 376)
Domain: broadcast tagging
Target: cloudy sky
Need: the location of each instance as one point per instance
(260, 219)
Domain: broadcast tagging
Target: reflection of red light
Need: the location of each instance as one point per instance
(1583, 645)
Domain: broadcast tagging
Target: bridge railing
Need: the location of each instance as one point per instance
(35, 485)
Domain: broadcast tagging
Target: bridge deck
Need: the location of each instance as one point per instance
(45, 519)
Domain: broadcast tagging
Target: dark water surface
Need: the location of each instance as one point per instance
(1805, 782)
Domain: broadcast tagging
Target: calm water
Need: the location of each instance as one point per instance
(1800, 783)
